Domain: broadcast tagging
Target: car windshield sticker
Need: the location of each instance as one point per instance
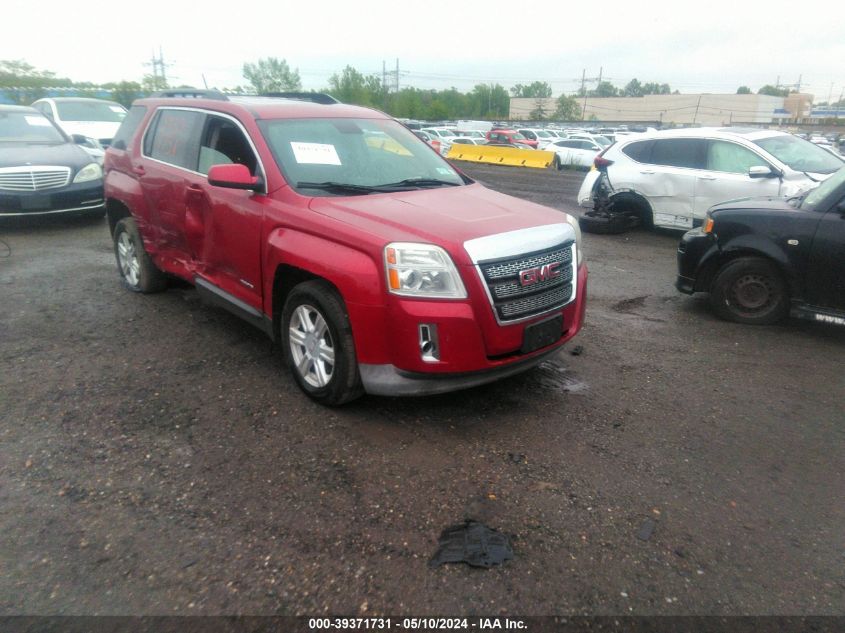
(117, 109)
(444, 170)
(37, 120)
(315, 153)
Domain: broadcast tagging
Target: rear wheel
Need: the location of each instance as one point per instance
(750, 290)
(318, 346)
(137, 270)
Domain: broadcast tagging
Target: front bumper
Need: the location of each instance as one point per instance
(474, 349)
(695, 250)
(388, 380)
(83, 197)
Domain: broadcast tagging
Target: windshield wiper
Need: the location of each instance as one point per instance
(344, 187)
(421, 182)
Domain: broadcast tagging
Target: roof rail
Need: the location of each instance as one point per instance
(315, 97)
(191, 93)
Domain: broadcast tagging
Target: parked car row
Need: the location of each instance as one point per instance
(765, 212)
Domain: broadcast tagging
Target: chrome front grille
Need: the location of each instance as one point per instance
(512, 300)
(34, 178)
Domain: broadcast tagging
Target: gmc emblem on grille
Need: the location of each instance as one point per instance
(539, 273)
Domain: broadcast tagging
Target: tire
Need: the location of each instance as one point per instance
(136, 269)
(607, 224)
(634, 205)
(750, 290)
(317, 342)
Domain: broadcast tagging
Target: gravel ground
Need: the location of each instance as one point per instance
(156, 457)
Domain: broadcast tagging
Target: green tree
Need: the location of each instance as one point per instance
(568, 109)
(272, 75)
(535, 89)
(153, 83)
(350, 86)
(773, 91)
(604, 89)
(633, 88)
(743, 90)
(24, 83)
(539, 113)
(654, 88)
(124, 92)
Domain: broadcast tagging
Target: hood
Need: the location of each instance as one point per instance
(92, 129)
(447, 216)
(766, 203)
(64, 154)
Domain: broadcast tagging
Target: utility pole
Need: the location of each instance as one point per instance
(396, 87)
(584, 80)
(695, 116)
(159, 81)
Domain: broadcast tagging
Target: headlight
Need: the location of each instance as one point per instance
(573, 222)
(707, 226)
(421, 270)
(92, 171)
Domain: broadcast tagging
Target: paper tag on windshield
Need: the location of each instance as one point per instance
(117, 109)
(315, 153)
(37, 120)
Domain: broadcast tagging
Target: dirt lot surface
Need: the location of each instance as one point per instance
(157, 458)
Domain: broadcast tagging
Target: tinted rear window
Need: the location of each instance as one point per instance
(679, 152)
(639, 151)
(127, 129)
(176, 138)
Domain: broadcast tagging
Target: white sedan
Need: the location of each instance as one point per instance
(574, 152)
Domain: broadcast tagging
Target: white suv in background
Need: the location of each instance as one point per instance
(669, 179)
(93, 118)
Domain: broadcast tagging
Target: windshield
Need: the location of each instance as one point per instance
(28, 127)
(357, 152)
(517, 136)
(602, 141)
(542, 134)
(815, 196)
(90, 111)
(799, 154)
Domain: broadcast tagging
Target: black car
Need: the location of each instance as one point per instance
(762, 259)
(42, 171)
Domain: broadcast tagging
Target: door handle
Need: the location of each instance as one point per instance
(195, 188)
(707, 177)
(139, 169)
(647, 171)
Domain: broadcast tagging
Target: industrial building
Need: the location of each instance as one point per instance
(678, 109)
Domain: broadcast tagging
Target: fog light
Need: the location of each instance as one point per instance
(429, 345)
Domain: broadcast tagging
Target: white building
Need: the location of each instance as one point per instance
(679, 109)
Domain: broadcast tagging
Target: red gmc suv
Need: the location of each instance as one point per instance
(376, 265)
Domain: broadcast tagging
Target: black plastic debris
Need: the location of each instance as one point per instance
(646, 530)
(577, 350)
(516, 458)
(472, 543)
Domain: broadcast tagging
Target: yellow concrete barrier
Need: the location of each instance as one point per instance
(499, 155)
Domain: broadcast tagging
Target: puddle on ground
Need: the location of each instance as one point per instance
(554, 376)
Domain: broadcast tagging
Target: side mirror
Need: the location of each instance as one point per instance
(763, 171)
(233, 177)
(86, 141)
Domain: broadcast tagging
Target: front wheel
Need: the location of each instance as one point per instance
(750, 290)
(317, 340)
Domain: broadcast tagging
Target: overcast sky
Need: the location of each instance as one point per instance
(713, 46)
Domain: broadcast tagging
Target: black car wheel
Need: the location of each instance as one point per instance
(750, 290)
(317, 340)
(137, 270)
